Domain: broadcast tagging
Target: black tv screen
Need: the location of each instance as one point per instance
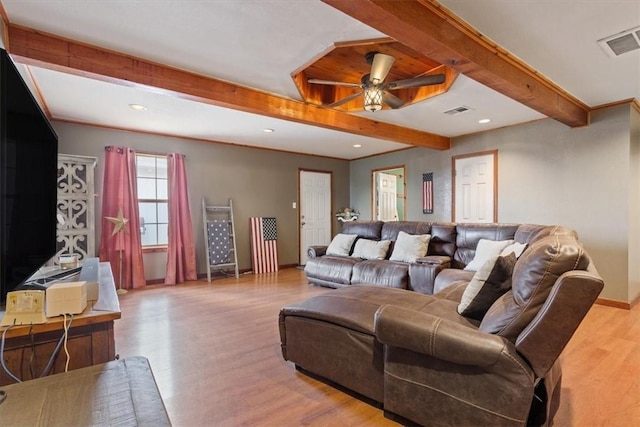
(28, 176)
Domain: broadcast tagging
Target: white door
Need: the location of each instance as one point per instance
(474, 188)
(315, 211)
(387, 197)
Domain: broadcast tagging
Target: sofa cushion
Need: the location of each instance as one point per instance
(330, 269)
(341, 244)
(386, 273)
(454, 291)
(364, 229)
(469, 234)
(443, 239)
(449, 276)
(354, 307)
(407, 247)
(530, 233)
(391, 229)
(534, 275)
(489, 283)
(371, 249)
(484, 251)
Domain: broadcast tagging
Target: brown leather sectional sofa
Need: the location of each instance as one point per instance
(412, 352)
(451, 246)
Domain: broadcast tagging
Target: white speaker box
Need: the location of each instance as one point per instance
(66, 298)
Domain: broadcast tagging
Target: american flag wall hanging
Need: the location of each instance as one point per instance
(264, 245)
(427, 193)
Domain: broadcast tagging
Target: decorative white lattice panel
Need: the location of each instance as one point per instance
(76, 217)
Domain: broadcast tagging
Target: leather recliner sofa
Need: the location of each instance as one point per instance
(421, 360)
(451, 247)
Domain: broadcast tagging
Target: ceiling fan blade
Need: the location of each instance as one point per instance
(380, 67)
(434, 79)
(344, 100)
(329, 82)
(392, 101)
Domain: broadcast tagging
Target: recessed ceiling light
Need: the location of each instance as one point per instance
(137, 107)
(483, 121)
(357, 145)
(268, 130)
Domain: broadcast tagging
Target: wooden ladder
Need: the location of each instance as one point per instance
(212, 213)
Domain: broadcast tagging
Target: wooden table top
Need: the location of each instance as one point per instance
(121, 392)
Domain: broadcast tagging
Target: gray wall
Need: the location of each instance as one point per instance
(260, 182)
(634, 207)
(585, 178)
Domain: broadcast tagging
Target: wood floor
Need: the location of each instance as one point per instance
(215, 352)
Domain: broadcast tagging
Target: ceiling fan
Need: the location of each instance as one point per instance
(375, 90)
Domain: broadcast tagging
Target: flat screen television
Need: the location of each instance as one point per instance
(28, 181)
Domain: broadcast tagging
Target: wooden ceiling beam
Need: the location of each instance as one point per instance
(432, 30)
(52, 52)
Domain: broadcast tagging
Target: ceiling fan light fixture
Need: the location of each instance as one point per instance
(373, 98)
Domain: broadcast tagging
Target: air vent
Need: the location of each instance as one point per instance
(458, 110)
(626, 41)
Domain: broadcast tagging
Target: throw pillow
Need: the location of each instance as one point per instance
(516, 247)
(408, 247)
(489, 283)
(341, 244)
(485, 250)
(371, 249)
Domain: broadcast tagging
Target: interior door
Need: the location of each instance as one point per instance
(315, 211)
(387, 197)
(475, 188)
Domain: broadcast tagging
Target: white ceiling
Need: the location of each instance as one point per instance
(259, 43)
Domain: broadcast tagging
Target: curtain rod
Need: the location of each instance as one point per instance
(151, 153)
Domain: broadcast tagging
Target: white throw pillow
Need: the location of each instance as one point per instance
(408, 247)
(485, 250)
(371, 249)
(516, 247)
(341, 244)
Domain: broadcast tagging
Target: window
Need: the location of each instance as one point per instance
(153, 200)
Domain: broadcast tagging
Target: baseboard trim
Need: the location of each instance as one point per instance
(240, 271)
(618, 304)
(218, 274)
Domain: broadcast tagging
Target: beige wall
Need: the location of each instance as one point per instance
(548, 174)
(260, 182)
(634, 207)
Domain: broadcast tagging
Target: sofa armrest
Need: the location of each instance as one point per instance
(571, 298)
(443, 260)
(316, 251)
(437, 337)
(422, 276)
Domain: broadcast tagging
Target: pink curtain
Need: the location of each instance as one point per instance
(181, 254)
(120, 194)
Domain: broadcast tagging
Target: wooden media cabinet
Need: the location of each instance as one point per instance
(90, 341)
